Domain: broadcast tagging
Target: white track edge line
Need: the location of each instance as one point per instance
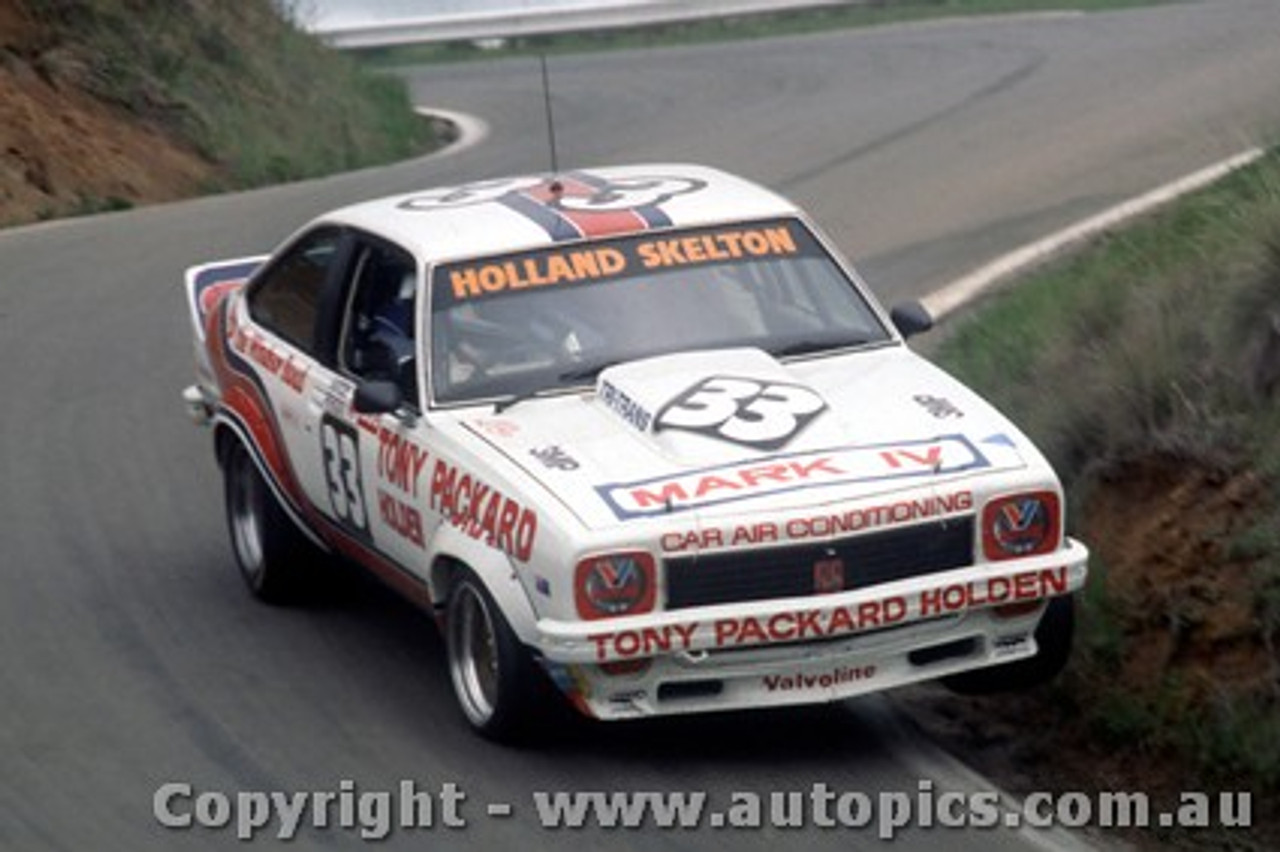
(949, 298)
(471, 129)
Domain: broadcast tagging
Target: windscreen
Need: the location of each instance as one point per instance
(554, 318)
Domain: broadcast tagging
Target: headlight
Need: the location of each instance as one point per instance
(615, 584)
(1027, 524)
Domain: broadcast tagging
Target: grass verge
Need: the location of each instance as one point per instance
(1147, 367)
(1152, 340)
(237, 82)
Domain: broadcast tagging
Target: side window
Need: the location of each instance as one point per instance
(286, 299)
(378, 334)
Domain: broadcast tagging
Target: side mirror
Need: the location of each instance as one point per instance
(377, 397)
(407, 370)
(911, 318)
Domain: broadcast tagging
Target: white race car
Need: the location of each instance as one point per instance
(637, 431)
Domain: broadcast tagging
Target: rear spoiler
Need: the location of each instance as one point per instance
(208, 283)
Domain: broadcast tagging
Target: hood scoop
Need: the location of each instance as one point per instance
(716, 405)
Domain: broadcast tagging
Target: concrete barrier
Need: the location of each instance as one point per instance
(512, 23)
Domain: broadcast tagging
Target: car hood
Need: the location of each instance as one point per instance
(736, 431)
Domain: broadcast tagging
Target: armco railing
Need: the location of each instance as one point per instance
(478, 26)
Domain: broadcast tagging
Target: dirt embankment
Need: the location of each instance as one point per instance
(111, 103)
(63, 150)
(1174, 665)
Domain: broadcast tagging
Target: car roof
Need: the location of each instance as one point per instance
(518, 213)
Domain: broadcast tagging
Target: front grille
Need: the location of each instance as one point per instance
(783, 572)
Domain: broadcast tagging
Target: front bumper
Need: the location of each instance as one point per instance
(811, 649)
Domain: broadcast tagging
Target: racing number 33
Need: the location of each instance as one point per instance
(745, 411)
(340, 446)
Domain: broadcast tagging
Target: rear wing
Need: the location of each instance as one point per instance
(209, 283)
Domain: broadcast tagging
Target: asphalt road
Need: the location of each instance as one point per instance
(131, 655)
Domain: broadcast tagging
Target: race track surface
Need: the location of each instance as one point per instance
(133, 657)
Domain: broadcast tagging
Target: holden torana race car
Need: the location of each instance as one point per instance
(639, 432)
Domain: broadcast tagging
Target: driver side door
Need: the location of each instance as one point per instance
(374, 465)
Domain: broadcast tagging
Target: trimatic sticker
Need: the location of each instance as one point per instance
(946, 454)
(617, 401)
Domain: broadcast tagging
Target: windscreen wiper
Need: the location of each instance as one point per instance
(804, 347)
(581, 374)
(588, 373)
(502, 404)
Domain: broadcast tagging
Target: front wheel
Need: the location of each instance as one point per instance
(269, 548)
(494, 679)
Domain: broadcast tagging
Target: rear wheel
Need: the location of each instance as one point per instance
(1053, 638)
(496, 682)
(268, 546)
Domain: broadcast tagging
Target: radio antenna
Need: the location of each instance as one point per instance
(551, 124)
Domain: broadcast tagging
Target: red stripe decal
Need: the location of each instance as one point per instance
(592, 223)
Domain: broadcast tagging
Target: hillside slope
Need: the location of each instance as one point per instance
(111, 103)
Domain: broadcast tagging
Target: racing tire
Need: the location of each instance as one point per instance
(269, 548)
(496, 682)
(1053, 638)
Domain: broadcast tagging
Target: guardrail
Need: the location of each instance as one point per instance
(513, 23)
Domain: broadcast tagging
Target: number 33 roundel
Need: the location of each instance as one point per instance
(760, 414)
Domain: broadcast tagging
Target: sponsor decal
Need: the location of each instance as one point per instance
(340, 454)
(817, 624)
(335, 398)
(292, 372)
(483, 512)
(1021, 526)
(617, 259)
(801, 682)
(614, 586)
(695, 539)
(1029, 585)
(466, 195)
(401, 518)
(646, 193)
(497, 428)
(906, 460)
(938, 406)
(764, 415)
(824, 526)
(624, 406)
(401, 462)
(1010, 646)
(293, 375)
(882, 515)
(554, 458)
(571, 206)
